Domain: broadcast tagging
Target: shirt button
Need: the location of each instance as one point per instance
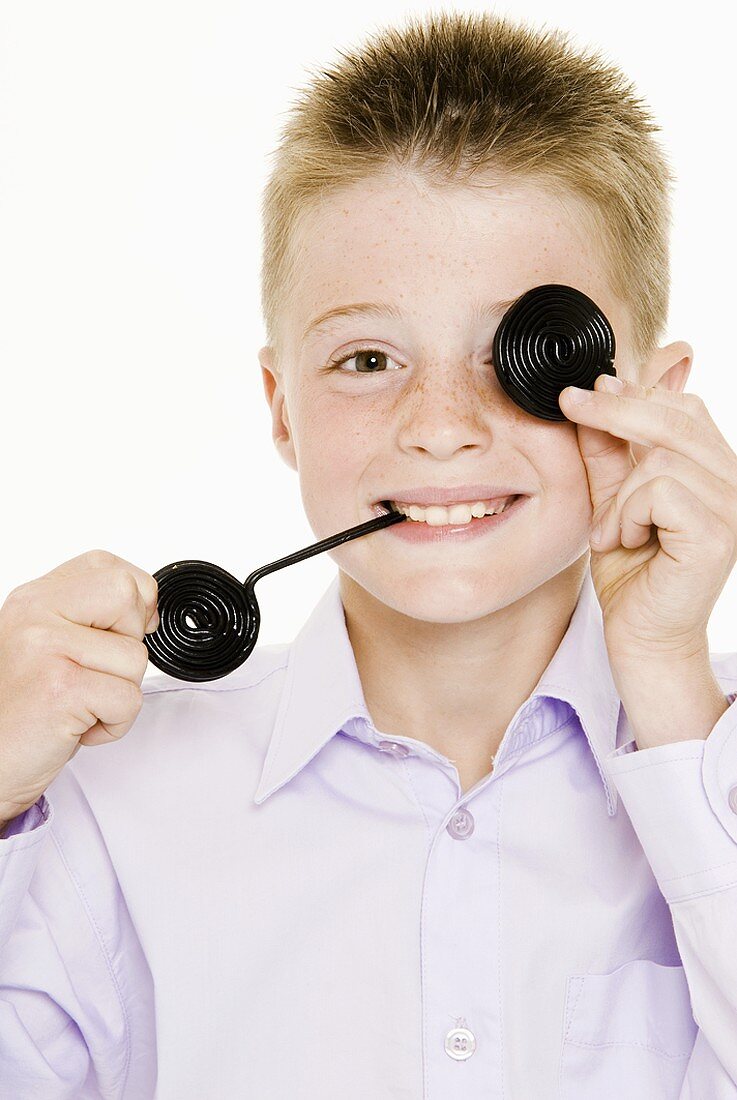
(394, 747)
(461, 824)
(732, 799)
(460, 1043)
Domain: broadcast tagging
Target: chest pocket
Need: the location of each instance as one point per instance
(628, 1033)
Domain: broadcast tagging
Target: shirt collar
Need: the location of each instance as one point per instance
(322, 690)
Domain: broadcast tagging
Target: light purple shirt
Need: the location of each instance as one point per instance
(257, 894)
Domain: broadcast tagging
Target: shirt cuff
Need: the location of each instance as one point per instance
(35, 815)
(682, 801)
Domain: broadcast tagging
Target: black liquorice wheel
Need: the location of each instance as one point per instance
(552, 337)
(208, 623)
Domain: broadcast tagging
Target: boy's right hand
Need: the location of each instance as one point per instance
(72, 658)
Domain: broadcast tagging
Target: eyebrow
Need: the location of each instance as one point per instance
(481, 312)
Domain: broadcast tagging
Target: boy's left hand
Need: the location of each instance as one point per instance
(669, 520)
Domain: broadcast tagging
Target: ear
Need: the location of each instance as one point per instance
(669, 367)
(281, 431)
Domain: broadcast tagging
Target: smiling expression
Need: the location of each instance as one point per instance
(416, 400)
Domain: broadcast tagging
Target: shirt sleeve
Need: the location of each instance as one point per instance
(682, 801)
(76, 998)
(18, 861)
(29, 819)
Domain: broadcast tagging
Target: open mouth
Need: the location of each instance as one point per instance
(385, 507)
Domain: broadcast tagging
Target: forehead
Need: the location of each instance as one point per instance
(430, 249)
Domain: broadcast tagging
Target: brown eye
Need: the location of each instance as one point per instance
(368, 361)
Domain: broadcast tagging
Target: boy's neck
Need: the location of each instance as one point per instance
(456, 686)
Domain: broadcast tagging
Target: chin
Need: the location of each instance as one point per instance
(439, 600)
(442, 609)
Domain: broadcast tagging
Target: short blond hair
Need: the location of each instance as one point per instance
(452, 94)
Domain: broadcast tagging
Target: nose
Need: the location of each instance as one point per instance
(453, 407)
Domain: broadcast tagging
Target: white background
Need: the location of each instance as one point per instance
(134, 142)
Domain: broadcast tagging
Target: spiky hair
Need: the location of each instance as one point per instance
(454, 94)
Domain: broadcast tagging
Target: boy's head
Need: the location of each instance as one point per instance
(443, 171)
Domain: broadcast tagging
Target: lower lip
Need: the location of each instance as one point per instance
(417, 531)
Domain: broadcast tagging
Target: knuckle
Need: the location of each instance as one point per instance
(63, 682)
(100, 558)
(125, 585)
(133, 697)
(15, 592)
(20, 598)
(681, 423)
(138, 656)
(694, 403)
(36, 638)
(658, 458)
(152, 589)
(666, 484)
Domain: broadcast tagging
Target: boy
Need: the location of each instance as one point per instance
(390, 859)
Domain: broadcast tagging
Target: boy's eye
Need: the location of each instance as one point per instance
(368, 361)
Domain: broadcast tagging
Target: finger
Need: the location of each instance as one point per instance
(662, 395)
(688, 531)
(98, 559)
(107, 651)
(114, 702)
(652, 422)
(109, 599)
(719, 498)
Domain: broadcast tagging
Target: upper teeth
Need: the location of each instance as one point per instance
(437, 515)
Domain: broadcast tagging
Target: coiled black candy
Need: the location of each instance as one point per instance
(209, 621)
(552, 337)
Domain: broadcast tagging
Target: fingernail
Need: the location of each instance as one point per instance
(578, 396)
(596, 534)
(611, 384)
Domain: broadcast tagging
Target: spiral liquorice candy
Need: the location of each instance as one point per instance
(552, 337)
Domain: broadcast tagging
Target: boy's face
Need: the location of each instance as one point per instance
(433, 412)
